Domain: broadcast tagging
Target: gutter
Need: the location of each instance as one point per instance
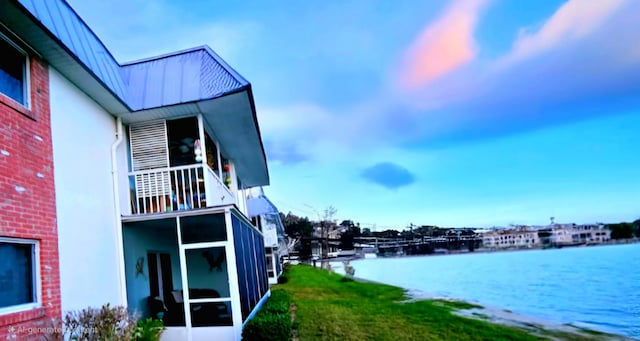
(118, 217)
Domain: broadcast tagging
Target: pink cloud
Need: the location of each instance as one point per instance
(443, 46)
(574, 20)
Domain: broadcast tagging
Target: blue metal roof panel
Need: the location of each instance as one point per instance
(60, 19)
(183, 77)
(216, 80)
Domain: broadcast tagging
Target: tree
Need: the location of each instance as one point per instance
(347, 223)
(329, 215)
(327, 222)
(304, 249)
(296, 227)
(621, 230)
(346, 239)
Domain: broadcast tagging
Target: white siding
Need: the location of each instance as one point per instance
(82, 137)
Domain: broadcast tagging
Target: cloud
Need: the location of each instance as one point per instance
(569, 71)
(159, 28)
(443, 46)
(388, 175)
(574, 20)
(285, 153)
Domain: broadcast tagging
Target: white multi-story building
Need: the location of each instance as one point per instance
(505, 239)
(151, 162)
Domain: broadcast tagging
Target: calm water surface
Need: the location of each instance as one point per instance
(595, 287)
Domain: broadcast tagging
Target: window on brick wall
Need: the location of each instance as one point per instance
(18, 274)
(13, 71)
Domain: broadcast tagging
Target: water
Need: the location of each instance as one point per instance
(593, 287)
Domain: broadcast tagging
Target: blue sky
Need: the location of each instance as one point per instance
(456, 113)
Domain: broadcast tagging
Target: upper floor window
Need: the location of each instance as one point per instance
(13, 71)
(18, 274)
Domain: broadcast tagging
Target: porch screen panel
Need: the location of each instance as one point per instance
(251, 264)
(203, 228)
(256, 258)
(264, 277)
(208, 282)
(241, 265)
(251, 267)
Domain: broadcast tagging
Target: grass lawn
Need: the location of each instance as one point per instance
(329, 306)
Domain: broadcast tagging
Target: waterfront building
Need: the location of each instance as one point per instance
(580, 234)
(266, 217)
(124, 183)
(556, 235)
(521, 237)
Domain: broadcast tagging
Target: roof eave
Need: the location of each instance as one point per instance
(59, 55)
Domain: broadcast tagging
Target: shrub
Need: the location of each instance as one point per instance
(148, 330)
(268, 327)
(278, 303)
(346, 279)
(97, 324)
(272, 322)
(283, 278)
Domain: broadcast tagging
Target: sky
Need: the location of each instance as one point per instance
(472, 113)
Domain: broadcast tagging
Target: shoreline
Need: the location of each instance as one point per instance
(536, 325)
(497, 315)
(491, 250)
(354, 306)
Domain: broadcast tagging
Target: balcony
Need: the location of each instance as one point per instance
(177, 189)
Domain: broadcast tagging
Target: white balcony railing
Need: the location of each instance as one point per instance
(217, 192)
(177, 188)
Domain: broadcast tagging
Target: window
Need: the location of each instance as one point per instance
(208, 281)
(203, 228)
(13, 71)
(18, 274)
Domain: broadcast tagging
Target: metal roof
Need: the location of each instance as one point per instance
(175, 78)
(181, 77)
(166, 86)
(262, 206)
(63, 22)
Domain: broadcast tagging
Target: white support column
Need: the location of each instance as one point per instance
(208, 186)
(219, 161)
(202, 139)
(185, 282)
(234, 182)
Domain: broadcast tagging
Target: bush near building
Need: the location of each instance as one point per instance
(272, 322)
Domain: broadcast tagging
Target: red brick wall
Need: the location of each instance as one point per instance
(27, 198)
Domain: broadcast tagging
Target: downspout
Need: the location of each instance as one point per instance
(118, 216)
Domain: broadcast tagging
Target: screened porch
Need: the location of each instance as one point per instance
(202, 272)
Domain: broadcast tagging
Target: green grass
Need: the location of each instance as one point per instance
(329, 308)
(458, 305)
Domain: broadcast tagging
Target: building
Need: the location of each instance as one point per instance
(510, 239)
(573, 234)
(124, 183)
(266, 217)
(556, 235)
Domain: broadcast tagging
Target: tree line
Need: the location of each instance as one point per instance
(625, 230)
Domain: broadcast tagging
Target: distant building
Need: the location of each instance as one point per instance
(509, 239)
(556, 235)
(266, 216)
